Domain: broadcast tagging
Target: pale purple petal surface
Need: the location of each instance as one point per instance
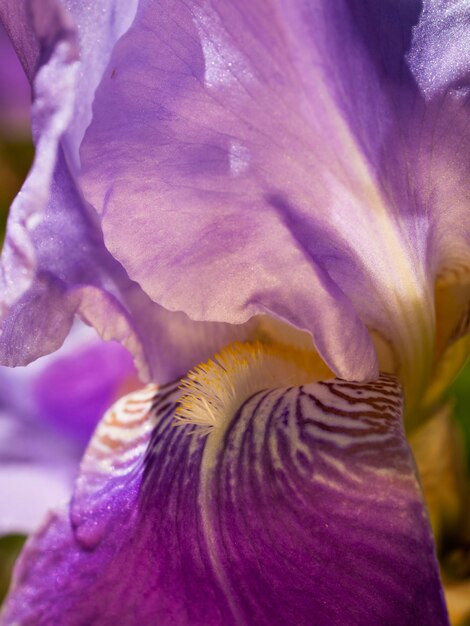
(54, 264)
(222, 123)
(280, 156)
(441, 46)
(74, 273)
(303, 508)
(52, 108)
(218, 126)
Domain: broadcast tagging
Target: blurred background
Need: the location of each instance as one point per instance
(49, 409)
(16, 147)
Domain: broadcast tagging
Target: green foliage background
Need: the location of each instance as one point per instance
(460, 392)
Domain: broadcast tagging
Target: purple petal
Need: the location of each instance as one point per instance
(19, 23)
(283, 140)
(34, 297)
(439, 55)
(99, 26)
(439, 61)
(52, 109)
(31, 22)
(72, 273)
(54, 264)
(204, 159)
(260, 142)
(304, 506)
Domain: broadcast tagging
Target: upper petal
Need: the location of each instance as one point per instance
(278, 140)
(303, 506)
(54, 263)
(52, 110)
(439, 60)
(296, 140)
(243, 172)
(30, 23)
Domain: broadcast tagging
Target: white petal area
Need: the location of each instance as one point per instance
(27, 493)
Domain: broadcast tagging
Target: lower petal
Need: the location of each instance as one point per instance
(302, 508)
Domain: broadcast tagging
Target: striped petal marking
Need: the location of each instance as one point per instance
(300, 507)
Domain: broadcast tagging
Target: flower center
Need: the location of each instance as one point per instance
(214, 391)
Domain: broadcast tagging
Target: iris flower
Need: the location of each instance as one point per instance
(266, 202)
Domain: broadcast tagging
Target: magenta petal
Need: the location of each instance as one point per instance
(303, 509)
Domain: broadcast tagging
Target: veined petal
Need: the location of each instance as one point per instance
(42, 287)
(236, 146)
(54, 263)
(301, 508)
(300, 120)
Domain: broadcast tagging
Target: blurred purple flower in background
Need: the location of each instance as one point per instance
(48, 413)
(283, 185)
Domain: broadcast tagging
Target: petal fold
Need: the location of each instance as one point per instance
(301, 121)
(54, 263)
